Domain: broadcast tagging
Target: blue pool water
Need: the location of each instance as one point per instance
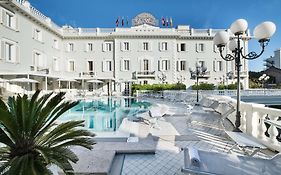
(105, 114)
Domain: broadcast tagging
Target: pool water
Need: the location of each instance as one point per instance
(105, 114)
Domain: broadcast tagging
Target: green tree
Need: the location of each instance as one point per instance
(33, 141)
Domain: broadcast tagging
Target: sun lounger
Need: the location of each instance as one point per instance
(211, 163)
(243, 140)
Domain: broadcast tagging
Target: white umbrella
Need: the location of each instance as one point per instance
(67, 79)
(95, 81)
(3, 80)
(23, 80)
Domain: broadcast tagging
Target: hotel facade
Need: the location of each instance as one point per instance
(33, 46)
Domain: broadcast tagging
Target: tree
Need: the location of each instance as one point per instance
(32, 139)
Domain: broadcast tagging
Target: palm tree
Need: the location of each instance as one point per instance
(32, 139)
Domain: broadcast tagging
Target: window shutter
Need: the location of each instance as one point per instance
(3, 18)
(103, 66)
(103, 47)
(121, 65)
(16, 23)
(141, 64)
(177, 64)
(2, 49)
(159, 66)
(196, 47)
(178, 47)
(86, 47)
(150, 46)
(160, 48)
(122, 46)
(150, 62)
(169, 64)
(17, 54)
(214, 66)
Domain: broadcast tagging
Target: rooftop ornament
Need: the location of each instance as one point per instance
(262, 33)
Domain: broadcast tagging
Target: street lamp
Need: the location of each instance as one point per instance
(262, 32)
(199, 72)
(263, 79)
(162, 77)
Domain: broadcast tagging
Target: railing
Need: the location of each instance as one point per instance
(252, 115)
(253, 118)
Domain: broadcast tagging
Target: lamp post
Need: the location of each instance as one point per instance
(162, 77)
(263, 79)
(198, 73)
(262, 32)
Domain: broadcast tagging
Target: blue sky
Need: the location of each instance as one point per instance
(196, 13)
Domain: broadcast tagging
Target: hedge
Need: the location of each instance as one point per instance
(158, 87)
(204, 86)
(229, 87)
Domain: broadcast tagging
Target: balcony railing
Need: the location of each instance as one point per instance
(144, 74)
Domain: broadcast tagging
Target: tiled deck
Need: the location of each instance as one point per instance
(200, 129)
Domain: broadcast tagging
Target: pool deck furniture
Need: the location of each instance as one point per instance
(211, 163)
(243, 141)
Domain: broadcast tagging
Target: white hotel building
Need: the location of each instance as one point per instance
(34, 47)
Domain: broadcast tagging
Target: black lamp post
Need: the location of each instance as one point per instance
(198, 73)
(238, 28)
(162, 77)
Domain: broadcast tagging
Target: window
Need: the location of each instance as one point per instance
(164, 65)
(9, 18)
(219, 65)
(182, 47)
(201, 63)
(126, 65)
(200, 47)
(70, 47)
(71, 66)
(90, 47)
(126, 46)
(145, 65)
(56, 64)
(37, 35)
(164, 46)
(90, 66)
(108, 66)
(9, 51)
(56, 44)
(182, 66)
(107, 47)
(38, 60)
(145, 82)
(145, 46)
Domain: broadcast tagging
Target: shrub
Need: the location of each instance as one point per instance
(204, 86)
(158, 87)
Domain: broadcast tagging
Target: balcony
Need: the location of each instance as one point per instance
(87, 74)
(144, 74)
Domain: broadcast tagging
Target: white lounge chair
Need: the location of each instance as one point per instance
(243, 140)
(211, 163)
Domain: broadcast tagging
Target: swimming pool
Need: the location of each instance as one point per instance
(105, 114)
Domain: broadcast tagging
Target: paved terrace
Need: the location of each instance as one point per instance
(178, 129)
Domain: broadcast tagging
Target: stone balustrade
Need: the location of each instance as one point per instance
(253, 115)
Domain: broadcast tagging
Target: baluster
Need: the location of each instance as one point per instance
(261, 126)
(272, 131)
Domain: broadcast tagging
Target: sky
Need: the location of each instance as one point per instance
(199, 14)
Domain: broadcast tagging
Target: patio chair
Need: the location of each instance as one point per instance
(211, 163)
(243, 141)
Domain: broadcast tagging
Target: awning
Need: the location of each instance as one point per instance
(67, 79)
(94, 81)
(23, 80)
